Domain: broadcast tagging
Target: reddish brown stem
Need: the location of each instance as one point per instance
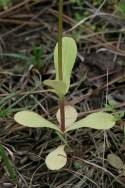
(62, 114)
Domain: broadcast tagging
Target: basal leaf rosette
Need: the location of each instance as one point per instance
(58, 158)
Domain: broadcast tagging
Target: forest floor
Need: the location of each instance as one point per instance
(28, 34)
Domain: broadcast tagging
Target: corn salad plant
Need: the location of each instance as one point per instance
(65, 53)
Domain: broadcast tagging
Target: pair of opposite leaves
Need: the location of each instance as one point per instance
(96, 120)
(58, 158)
(101, 120)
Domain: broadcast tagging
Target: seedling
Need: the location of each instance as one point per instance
(121, 7)
(5, 3)
(35, 58)
(64, 59)
(8, 164)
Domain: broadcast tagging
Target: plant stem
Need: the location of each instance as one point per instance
(62, 138)
(62, 114)
(60, 70)
(60, 30)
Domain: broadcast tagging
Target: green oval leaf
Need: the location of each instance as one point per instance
(69, 52)
(98, 120)
(34, 120)
(115, 161)
(58, 86)
(57, 159)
